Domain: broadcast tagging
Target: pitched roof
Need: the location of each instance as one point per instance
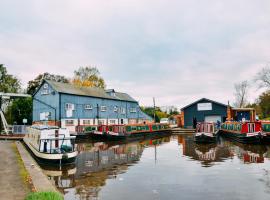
(88, 91)
(203, 99)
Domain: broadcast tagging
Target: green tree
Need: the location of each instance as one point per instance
(158, 113)
(264, 103)
(20, 109)
(34, 84)
(8, 83)
(88, 77)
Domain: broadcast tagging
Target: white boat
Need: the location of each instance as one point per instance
(51, 144)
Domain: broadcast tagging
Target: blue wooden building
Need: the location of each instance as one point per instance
(70, 106)
(203, 110)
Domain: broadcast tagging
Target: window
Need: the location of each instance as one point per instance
(115, 109)
(101, 122)
(133, 110)
(87, 122)
(45, 92)
(69, 106)
(69, 122)
(112, 121)
(45, 86)
(88, 107)
(123, 110)
(103, 108)
(251, 127)
(45, 116)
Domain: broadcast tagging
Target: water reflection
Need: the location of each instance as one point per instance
(99, 162)
(209, 154)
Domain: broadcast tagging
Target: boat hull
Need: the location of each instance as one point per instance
(67, 158)
(242, 138)
(266, 138)
(204, 138)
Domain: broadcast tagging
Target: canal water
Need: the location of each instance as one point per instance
(171, 167)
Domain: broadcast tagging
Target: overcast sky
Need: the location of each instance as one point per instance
(175, 50)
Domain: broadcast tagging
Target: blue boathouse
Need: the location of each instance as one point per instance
(71, 106)
(203, 110)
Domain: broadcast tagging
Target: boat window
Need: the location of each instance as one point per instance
(251, 127)
(86, 122)
(69, 122)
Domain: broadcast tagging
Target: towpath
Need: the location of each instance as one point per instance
(11, 178)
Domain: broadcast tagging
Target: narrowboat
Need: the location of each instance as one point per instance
(205, 133)
(50, 144)
(118, 132)
(244, 132)
(266, 132)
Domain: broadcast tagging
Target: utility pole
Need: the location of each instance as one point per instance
(154, 101)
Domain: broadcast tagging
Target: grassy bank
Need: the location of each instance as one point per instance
(44, 196)
(23, 172)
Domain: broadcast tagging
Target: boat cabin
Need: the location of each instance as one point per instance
(51, 140)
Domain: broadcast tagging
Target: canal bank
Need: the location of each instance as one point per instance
(19, 172)
(13, 185)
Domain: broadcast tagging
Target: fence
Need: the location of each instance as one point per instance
(19, 129)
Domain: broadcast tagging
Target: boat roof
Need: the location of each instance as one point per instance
(44, 127)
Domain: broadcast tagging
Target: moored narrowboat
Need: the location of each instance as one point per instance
(266, 132)
(244, 132)
(117, 132)
(206, 133)
(51, 144)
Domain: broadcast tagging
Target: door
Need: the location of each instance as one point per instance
(212, 118)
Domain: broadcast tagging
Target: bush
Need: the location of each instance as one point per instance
(44, 196)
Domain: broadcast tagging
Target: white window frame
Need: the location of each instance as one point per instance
(103, 108)
(86, 120)
(123, 110)
(69, 124)
(133, 110)
(112, 121)
(45, 86)
(88, 107)
(69, 106)
(45, 92)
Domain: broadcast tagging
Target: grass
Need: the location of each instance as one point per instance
(44, 196)
(22, 170)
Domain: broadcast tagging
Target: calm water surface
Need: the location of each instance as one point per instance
(166, 168)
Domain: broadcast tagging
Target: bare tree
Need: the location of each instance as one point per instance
(263, 77)
(241, 93)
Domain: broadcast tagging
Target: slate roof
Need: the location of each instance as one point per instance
(203, 99)
(88, 91)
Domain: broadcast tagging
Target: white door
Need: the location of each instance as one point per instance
(212, 118)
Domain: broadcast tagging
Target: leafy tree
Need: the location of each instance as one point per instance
(89, 77)
(241, 91)
(20, 109)
(158, 113)
(264, 103)
(8, 83)
(34, 84)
